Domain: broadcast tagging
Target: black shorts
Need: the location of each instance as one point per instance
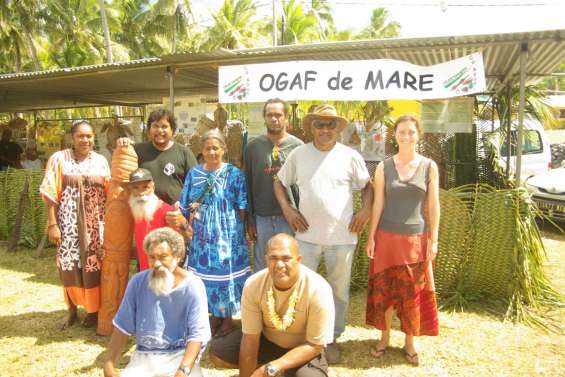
(227, 349)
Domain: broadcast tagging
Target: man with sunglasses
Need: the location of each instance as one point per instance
(264, 156)
(326, 172)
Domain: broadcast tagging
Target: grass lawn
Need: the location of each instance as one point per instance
(474, 343)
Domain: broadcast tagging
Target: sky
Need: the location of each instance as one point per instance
(426, 18)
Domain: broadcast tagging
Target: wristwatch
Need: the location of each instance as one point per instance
(271, 371)
(185, 369)
(184, 226)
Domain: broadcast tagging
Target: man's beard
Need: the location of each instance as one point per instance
(143, 207)
(161, 281)
(276, 130)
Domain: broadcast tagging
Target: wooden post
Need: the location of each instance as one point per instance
(118, 235)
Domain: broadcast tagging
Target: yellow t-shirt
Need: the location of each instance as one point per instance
(314, 317)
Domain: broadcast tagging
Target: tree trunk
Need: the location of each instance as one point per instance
(32, 51)
(105, 28)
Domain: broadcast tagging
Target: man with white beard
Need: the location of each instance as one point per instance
(149, 212)
(166, 309)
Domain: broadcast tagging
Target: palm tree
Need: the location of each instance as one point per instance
(135, 29)
(74, 30)
(19, 27)
(379, 27)
(296, 26)
(322, 12)
(172, 22)
(235, 26)
(106, 29)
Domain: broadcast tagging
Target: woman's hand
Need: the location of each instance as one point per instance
(54, 234)
(432, 249)
(370, 247)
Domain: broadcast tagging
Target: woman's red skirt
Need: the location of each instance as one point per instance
(401, 276)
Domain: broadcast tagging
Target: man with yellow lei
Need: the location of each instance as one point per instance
(287, 318)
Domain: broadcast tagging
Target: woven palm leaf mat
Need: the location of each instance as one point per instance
(35, 213)
(490, 250)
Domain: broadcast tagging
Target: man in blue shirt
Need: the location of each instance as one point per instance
(165, 308)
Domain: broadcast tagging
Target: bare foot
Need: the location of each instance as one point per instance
(69, 318)
(90, 320)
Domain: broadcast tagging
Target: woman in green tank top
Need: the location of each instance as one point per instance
(402, 243)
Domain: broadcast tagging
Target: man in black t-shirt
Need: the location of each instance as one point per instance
(168, 161)
(10, 152)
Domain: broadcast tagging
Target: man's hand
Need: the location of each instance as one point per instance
(175, 218)
(259, 372)
(251, 231)
(54, 234)
(178, 373)
(359, 220)
(124, 142)
(296, 220)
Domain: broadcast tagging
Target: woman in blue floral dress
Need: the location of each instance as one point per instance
(214, 195)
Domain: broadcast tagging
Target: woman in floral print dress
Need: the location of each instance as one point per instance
(215, 197)
(74, 189)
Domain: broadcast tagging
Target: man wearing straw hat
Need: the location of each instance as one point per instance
(326, 172)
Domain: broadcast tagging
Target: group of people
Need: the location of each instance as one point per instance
(294, 201)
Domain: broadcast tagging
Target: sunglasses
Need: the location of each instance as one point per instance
(329, 124)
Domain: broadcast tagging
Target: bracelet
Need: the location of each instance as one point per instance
(50, 225)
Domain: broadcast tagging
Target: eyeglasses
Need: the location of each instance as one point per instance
(329, 124)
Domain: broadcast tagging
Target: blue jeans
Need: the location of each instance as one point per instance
(267, 226)
(338, 260)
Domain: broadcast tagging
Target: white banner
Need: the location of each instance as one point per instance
(350, 80)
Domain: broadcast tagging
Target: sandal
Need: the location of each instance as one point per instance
(411, 358)
(378, 353)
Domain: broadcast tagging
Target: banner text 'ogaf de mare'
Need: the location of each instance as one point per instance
(351, 80)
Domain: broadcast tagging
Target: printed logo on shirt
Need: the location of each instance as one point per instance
(169, 169)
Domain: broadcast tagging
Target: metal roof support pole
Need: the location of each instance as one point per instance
(274, 24)
(171, 74)
(508, 128)
(520, 136)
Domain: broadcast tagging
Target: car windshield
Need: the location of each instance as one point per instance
(532, 143)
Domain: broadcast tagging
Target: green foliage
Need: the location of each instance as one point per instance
(379, 27)
(36, 35)
(235, 26)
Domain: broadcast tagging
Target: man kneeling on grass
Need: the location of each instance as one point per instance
(287, 317)
(165, 308)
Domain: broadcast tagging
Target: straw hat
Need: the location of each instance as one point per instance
(324, 112)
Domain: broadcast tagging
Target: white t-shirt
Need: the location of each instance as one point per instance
(325, 181)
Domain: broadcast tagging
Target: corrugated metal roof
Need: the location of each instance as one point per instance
(83, 68)
(145, 81)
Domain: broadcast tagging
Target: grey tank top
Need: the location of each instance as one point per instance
(404, 211)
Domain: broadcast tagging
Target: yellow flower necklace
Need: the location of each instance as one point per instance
(288, 318)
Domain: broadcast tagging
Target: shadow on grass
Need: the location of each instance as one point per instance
(43, 269)
(357, 353)
(43, 327)
(98, 363)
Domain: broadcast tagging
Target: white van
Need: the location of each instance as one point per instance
(536, 151)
